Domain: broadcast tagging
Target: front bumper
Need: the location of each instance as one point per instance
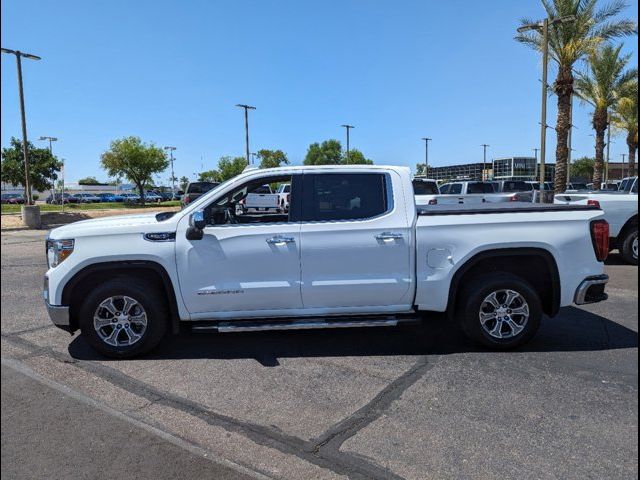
(591, 290)
(59, 315)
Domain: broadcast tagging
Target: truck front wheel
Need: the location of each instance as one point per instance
(499, 310)
(122, 319)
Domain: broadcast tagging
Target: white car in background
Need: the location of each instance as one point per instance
(620, 210)
(284, 196)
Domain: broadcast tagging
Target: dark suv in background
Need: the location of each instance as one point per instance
(195, 190)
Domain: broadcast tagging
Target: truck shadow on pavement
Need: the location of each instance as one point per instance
(572, 330)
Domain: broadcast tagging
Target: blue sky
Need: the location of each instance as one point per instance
(171, 73)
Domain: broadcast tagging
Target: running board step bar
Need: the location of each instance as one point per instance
(298, 324)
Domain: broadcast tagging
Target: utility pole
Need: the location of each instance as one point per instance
(173, 177)
(348, 127)
(569, 139)
(543, 29)
(51, 140)
(426, 155)
(606, 168)
(25, 149)
(246, 127)
(624, 156)
(484, 160)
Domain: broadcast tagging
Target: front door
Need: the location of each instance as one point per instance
(241, 269)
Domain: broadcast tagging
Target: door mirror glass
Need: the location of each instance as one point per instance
(197, 220)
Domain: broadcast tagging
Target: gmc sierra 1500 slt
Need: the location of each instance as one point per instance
(353, 250)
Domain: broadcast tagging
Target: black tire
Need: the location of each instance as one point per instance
(626, 247)
(150, 300)
(472, 299)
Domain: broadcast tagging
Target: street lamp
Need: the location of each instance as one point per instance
(173, 177)
(246, 126)
(51, 140)
(426, 155)
(543, 28)
(25, 153)
(348, 127)
(484, 160)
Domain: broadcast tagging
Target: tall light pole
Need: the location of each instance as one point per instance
(543, 28)
(348, 127)
(624, 156)
(25, 152)
(426, 155)
(606, 168)
(173, 177)
(484, 159)
(246, 126)
(51, 140)
(536, 150)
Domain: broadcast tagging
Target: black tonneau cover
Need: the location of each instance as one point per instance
(506, 207)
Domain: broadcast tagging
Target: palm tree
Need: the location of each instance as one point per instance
(568, 43)
(625, 117)
(602, 86)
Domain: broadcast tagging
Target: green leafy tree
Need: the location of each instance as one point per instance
(272, 158)
(184, 182)
(568, 43)
(43, 166)
(209, 176)
(229, 167)
(583, 168)
(356, 157)
(625, 117)
(602, 86)
(328, 152)
(89, 181)
(421, 169)
(135, 160)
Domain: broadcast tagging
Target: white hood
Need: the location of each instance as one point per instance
(141, 223)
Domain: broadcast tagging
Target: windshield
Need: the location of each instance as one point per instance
(515, 186)
(424, 188)
(629, 185)
(201, 187)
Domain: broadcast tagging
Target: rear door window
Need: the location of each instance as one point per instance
(344, 196)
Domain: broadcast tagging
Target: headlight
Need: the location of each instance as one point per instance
(58, 251)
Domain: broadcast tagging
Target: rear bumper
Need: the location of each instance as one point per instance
(591, 290)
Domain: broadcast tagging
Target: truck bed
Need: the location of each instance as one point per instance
(487, 208)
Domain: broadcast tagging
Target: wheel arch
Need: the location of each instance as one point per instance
(82, 282)
(628, 226)
(546, 281)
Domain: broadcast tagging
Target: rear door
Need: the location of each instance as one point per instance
(355, 242)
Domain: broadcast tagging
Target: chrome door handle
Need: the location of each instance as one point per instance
(389, 236)
(278, 240)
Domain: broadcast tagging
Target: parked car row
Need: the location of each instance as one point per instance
(57, 198)
(12, 198)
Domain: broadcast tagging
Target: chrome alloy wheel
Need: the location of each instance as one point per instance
(634, 247)
(504, 314)
(120, 321)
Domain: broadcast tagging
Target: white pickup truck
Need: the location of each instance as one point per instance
(353, 251)
(620, 210)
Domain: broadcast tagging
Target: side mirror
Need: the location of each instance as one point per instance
(196, 225)
(197, 220)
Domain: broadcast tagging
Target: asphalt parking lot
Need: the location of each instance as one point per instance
(415, 402)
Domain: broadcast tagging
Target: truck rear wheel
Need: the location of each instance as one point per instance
(629, 247)
(122, 319)
(499, 310)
